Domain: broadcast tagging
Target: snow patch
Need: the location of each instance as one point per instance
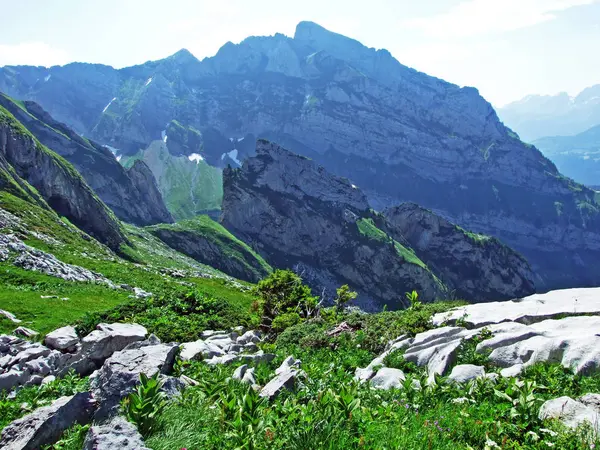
(240, 139)
(163, 136)
(148, 81)
(112, 149)
(233, 154)
(108, 106)
(196, 157)
(230, 139)
(586, 157)
(119, 158)
(354, 186)
(47, 77)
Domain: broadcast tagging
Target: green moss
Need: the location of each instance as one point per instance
(367, 228)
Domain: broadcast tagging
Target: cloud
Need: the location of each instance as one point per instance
(477, 17)
(32, 53)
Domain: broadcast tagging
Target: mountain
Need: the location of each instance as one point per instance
(398, 134)
(576, 156)
(208, 242)
(299, 216)
(34, 173)
(132, 195)
(188, 184)
(537, 116)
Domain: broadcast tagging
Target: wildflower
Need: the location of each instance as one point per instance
(549, 444)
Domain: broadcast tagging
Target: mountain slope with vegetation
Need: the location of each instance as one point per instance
(299, 216)
(208, 242)
(399, 134)
(132, 195)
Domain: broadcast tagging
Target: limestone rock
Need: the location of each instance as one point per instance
(9, 316)
(45, 425)
(570, 412)
(249, 337)
(25, 332)
(466, 372)
(283, 381)
(116, 434)
(62, 339)
(200, 349)
(109, 338)
(289, 363)
(535, 308)
(387, 378)
(120, 374)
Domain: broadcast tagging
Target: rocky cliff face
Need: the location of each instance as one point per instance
(300, 216)
(399, 134)
(25, 161)
(132, 195)
(470, 264)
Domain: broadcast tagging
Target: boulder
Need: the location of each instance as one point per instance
(45, 425)
(387, 378)
(251, 336)
(199, 350)
(13, 378)
(239, 373)
(466, 372)
(570, 412)
(121, 372)
(9, 316)
(283, 381)
(62, 339)
(116, 434)
(591, 400)
(289, 363)
(107, 339)
(25, 332)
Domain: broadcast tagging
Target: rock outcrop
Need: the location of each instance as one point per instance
(300, 216)
(56, 181)
(45, 425)
(474, 266)
(399, 134)
(132, 194)
(516, 339)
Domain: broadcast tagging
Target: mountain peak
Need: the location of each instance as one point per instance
(184, 55)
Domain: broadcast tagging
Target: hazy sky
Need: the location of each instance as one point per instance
(505, 48)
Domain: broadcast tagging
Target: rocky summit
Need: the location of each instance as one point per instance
(300, 216)
(399, 134)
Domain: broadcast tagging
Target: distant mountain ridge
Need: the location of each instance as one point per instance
(398, 134)
(576, 156)
(538, 116)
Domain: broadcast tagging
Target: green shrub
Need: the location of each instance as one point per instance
(283, 292)
(285, 320)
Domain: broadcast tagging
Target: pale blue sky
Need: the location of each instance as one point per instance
(505, 48)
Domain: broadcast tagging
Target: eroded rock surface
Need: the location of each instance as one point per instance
(45, 425)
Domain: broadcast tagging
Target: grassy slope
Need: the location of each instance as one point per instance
(187, 187)
(230, 246)
(20, 290)
(332, 411)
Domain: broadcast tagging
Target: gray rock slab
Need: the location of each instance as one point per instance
(116, 434)
(531, 309)
(45, 425)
